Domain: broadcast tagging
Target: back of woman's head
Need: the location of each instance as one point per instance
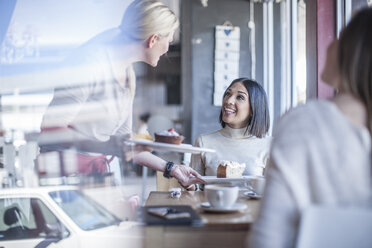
(355, 59)
(144, 18)
(259, 120)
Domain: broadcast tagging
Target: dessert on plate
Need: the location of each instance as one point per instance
(169, 136)
(230, 169)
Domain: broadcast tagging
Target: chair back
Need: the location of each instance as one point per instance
(323, 227)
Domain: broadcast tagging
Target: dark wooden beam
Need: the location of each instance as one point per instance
(320, 31)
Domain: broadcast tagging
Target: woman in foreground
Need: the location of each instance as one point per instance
(321, 152)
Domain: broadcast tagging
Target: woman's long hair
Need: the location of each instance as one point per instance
(355, 60)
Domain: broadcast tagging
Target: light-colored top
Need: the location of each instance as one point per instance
(96, 106)
(234, 145)
(318, 157)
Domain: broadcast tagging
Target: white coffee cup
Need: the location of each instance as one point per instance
(221, 196)
(257, 185)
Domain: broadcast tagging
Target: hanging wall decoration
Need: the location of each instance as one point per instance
(226, 59)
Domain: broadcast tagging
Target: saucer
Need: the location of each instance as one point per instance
(235, 207)
(252, 195)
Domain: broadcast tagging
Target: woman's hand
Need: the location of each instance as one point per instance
(186, 176)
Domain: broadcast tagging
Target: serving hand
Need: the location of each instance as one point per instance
(186, 176)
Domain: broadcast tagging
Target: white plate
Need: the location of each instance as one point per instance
(183, 148)
(214, 179)
(236, 207)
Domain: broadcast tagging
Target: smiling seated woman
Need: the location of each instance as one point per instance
(245, 121)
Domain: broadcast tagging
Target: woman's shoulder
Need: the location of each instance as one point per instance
(303, 114)
(86, 54)
(210, 134)
(208, 137)
(267, 139)
(304, 121)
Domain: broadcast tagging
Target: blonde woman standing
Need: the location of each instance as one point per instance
(98, 101)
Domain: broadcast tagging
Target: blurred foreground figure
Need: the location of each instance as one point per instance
(321, 152)
(97, 101)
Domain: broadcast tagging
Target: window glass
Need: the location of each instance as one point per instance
(16, 212)
(53, 225)
(300, 80)
(25, 218)
(85, 212)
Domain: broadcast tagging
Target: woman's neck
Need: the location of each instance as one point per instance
(237, 133)
(125, 54)
(352, 108)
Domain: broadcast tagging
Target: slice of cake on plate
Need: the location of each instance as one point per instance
(230, 169)
(169, 136)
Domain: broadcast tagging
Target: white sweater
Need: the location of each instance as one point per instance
(318, 157)
(234, 145)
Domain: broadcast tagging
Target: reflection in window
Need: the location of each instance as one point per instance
(300, 80)
(85, 212)
(25, 218)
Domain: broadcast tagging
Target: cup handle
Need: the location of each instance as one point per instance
(219, 197)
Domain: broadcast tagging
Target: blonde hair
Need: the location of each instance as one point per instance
(144, 18)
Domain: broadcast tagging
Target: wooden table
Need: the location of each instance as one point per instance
(219, 229)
